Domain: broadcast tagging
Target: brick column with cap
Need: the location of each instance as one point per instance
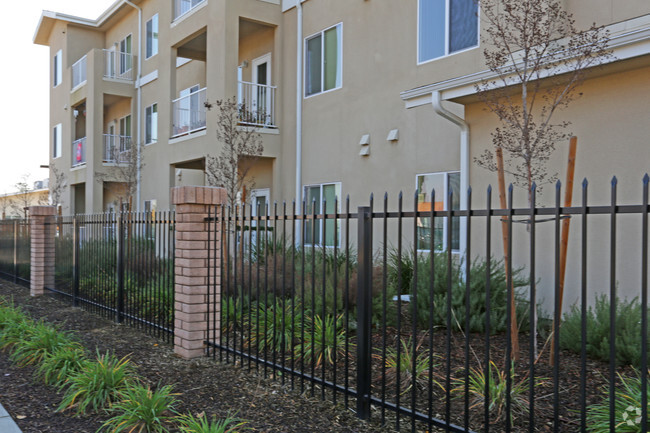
(42, 227)
(191, 271)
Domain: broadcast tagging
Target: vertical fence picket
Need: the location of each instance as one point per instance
(364, 319)
(644, 306)
(612, 310)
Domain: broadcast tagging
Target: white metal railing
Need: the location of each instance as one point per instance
(257, 104)
(188, 113)
(118, 65)
(79, 72)
(117, 148)
(181, 7)
(79, 152)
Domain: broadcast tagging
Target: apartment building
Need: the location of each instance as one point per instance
(352, 96)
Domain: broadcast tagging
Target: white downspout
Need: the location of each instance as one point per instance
(138, 142)
(436, 101)
(299, 105)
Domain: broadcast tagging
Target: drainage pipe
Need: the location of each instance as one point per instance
(299, 104)
(139, 108)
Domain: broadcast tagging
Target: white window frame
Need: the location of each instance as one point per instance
(322, 62)
(57, 144)
(320, 221)
(122, 67)
(445, 194)
(154, 125)
(154, 38)
(58, 68)
(447, 53)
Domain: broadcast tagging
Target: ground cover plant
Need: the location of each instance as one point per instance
(627, 407)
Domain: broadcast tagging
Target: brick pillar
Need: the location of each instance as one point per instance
(41, 221)
(191, 273)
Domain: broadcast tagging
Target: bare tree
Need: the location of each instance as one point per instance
(122, 177)
(4, 205)
(539, 59)
(241, 147)
(23, 197)
(57, 185)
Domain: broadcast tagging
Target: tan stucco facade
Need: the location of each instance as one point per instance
(382, 88)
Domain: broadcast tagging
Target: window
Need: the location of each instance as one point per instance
(445, 27)
(152, 36)
(323, 70)
(125, 55)
(151, 124)
(58, 68)
(314, 196)
(56, 141)
(125, 138)
(441, 183)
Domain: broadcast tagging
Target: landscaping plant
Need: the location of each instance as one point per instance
(272, 325)
(627, 408)
(141, 409)
(98, 384)
(199, 424)
(42, 340)
(55, 368)
(404, 361)
(328, 338)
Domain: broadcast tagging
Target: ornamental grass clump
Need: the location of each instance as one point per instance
(323, 338)
(141, 409)
(200, 424)
(627, 408)
(55, 368)
(98, 384)
(400, 366)
(42, 340)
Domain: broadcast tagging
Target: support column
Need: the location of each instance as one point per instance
(41, 221)
(197, 256)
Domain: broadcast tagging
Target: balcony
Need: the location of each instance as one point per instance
(79, 152)
(117, 148)
(118, 66)
(189, 113)
(257, 104)
(181, 7)
(79, 72)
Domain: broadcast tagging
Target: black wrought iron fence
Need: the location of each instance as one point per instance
(15, 249)
(363, 307)
(120, 266)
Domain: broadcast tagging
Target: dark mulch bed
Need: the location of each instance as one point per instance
(205, 385)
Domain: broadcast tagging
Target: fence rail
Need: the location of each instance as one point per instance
(15, 250)
(119, 265)
(424, 337)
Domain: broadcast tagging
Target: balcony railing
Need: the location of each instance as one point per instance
(257, 105)
(117, 148)
(79, 152)
(181, 7)
(188, 113)
(117, 65)
(79, 72)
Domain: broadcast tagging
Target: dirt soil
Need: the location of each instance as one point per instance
(204, 385)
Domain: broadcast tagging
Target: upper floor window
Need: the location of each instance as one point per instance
(58, 67)
(151, 124)
(323, 69)
(152, 36)
(125, 55)
(56, 141)
(446, 27)
(441, 183)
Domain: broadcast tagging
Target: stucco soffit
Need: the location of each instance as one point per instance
(627, 40)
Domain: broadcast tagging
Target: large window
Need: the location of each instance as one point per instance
(152, 36)
(125, 55)
(317, 233)
(442, 184)
(445, 27)
(151, 124)
(56, 141)
(323, 70)
(58, 68)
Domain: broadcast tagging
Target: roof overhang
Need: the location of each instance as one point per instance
(49, 18)
(628, 40)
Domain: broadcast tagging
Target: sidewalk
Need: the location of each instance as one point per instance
(7, 424)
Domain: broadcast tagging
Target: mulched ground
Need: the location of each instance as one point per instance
(205, 385)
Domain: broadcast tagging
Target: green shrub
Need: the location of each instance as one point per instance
(140, 408)
(43, 340)
(406, 363)
(98, 384)
(322, 347)
(15, 332)
(627, 408)
(57, 367)
(190, 424)
(271, 325)
(628, 330)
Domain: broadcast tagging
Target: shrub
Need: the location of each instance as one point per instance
(57, 367)
(328, 338)
(406, 363)
(139, 408)
(190, 424)
(271, 325)
(16, 331)
(42, 340)
(628, 330)
(98, 384)
(627, 408)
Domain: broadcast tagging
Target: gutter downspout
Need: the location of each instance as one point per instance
(139, 108)
(299, 104)
(436, 101)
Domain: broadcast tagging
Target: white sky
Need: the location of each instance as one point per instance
(24, 81)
